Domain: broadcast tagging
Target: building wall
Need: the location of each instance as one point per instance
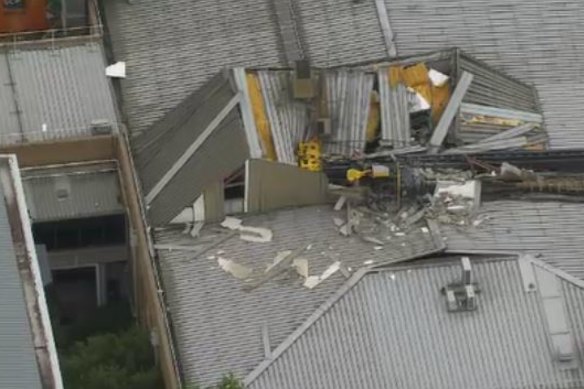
(23, 15)
(149, 302)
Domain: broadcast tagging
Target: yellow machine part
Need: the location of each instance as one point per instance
(440, 97)
(354, 175)
(260, 117)
(309, 155)
(373, 120)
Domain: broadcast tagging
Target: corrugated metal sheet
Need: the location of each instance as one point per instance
(91, 193)
(540, 43)
(18, 365)
(393, 330)
(550, 229)
(271, 185)
(348, 96)
(395, 114)
(223, 152)
(288, 117)
(64, 88)
(493, 88)
(218, 326)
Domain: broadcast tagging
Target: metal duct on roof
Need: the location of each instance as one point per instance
(288, 117)
(395, 115)
(348, 97)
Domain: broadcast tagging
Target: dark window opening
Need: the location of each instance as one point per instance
(79, 233)
(235, 185)
(13, 4)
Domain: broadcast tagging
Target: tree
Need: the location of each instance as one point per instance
(115, 361)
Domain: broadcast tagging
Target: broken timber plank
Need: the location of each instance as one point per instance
(450, 112)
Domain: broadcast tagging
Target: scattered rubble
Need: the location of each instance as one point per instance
(313, 281)
(250, 234)
(236, 270)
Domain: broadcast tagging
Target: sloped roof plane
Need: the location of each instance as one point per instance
(218, 325)
(392, 329)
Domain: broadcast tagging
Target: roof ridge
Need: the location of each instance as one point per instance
(554, 270)
(313, 318)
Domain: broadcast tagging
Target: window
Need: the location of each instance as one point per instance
(13, 4)
(79, 233)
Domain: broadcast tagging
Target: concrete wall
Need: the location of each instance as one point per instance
(149, 302)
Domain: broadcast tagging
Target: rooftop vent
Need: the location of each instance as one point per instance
(101, 127)
(461, 296)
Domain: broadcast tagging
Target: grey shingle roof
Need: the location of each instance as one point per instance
(539, 42)
(392, 329)
(62, 87)
(550, 229)
(18, 364)
(172, 47)
(218, 326)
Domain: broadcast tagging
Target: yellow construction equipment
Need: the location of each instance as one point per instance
(309, 155)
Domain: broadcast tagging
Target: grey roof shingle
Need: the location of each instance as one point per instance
(62, 87)
(218, 326)
(539, 42)
(392, 329)
(551, 230)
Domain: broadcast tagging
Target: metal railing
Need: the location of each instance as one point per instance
(94, 30)
(19, 138)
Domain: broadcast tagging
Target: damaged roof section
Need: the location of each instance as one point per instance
(234, 299)
(443, 101)
(392, 321)
(198, 143)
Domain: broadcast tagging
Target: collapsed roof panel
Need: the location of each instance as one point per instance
(158, 149)
(380, 333)
(288, 118)
(494, 88)
(538, 43)
(223, 152)
(431, 99)
(219, 324)
(200, 142)
(348, 96)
